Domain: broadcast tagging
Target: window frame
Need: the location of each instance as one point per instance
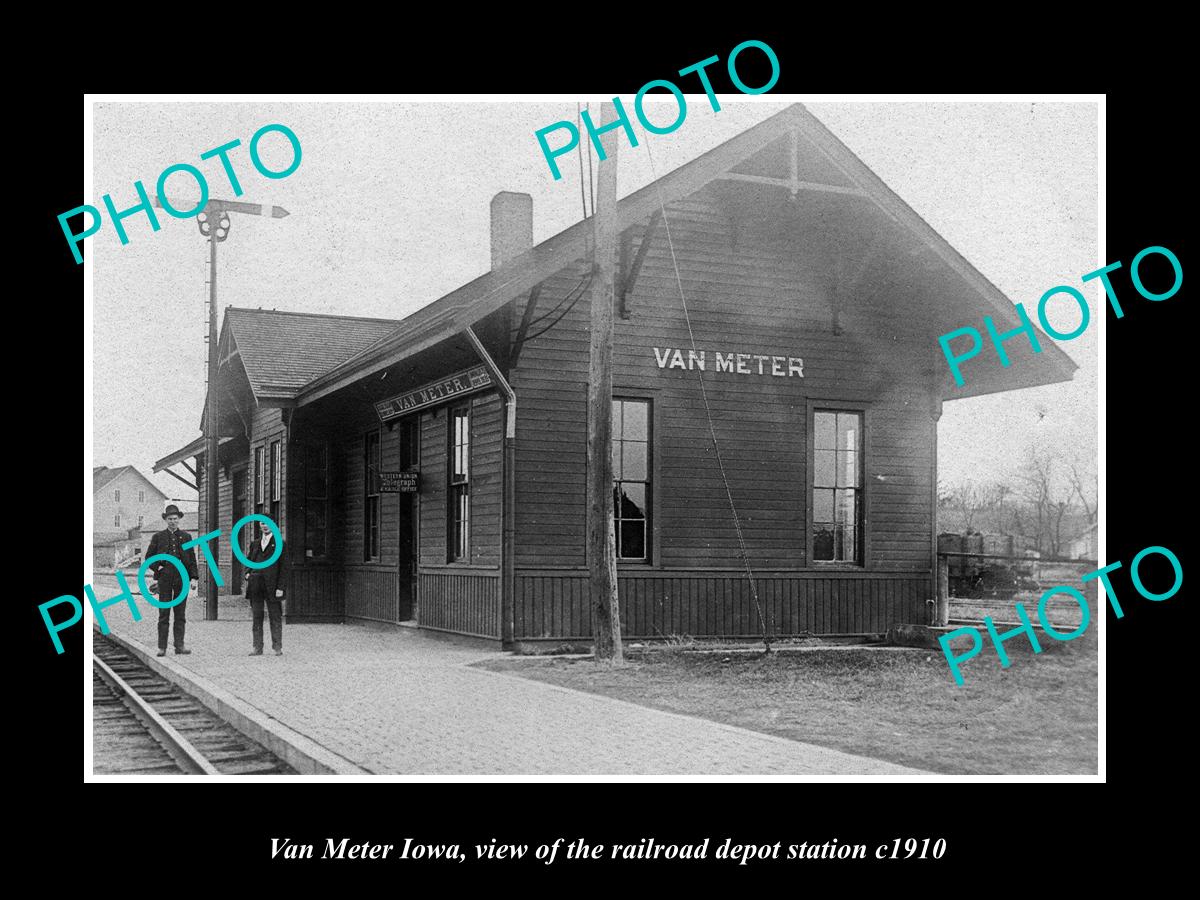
(372, 524)
(258, 474)
(650, 542)
(141, 496)
(116, 495)
(275, 488)
(863, 561)
(458, 487)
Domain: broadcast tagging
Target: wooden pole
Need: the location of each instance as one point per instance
(213, 431)
(939, 565)
(601, 545)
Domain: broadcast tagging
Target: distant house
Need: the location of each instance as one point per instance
(1085, 546)
(123, 498)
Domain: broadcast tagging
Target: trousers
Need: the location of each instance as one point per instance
(169, 589)
(275, 612)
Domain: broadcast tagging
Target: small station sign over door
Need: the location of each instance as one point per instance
(399, 482)
(466, 382)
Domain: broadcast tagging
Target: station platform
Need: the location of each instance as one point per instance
(357, 699)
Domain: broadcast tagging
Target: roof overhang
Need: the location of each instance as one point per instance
(195, 448)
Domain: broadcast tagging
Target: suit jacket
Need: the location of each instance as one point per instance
(264, 582)
(172, 545)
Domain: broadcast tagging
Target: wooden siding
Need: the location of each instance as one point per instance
(266, 426)
(660, 604)
(752, 293)
(486, 487)
(462, 601)
(432, 525)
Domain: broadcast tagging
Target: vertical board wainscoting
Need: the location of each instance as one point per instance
(553, 604)
(371, 593)
(465, 602)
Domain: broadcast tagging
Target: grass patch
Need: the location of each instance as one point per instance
(1036, 717)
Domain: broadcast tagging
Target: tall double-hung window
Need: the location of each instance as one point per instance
(458, 493)
(371, 496)
(631, 478)
(837, 486)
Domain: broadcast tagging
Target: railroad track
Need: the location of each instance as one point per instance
(144, 724)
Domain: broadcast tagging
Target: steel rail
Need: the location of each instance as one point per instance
(190, 759)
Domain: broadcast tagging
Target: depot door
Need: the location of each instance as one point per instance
(407, 574)
(238, 510)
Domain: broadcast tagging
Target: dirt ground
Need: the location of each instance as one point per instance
(1039, 716)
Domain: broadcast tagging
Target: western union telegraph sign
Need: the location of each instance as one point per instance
(466, 382)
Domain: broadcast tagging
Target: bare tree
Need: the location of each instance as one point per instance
(1002, 490)
(1036, 478)
(1048, 485)
(1082, 490)
(970, 500)
(1055, 535)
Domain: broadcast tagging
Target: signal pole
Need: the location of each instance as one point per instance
(214, 224)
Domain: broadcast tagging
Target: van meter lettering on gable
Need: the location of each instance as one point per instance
(399, 482)
(466, 382)
(736, 363)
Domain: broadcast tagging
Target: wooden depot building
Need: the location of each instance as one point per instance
(432, 470)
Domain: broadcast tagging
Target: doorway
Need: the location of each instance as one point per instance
(238, 510)
(407, 565)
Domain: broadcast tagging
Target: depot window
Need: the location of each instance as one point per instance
(837, 486)
(631, 478)
(371, 496)
(458, 521)
(260, 479)
(276, 479)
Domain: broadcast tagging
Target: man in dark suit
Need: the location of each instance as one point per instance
(169, 585)
(264, 587)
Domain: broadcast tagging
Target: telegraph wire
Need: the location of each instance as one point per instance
(707, 409)
(573, 296)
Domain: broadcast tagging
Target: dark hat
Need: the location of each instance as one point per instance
(172, 510)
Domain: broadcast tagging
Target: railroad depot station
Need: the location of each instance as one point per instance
(431, 470)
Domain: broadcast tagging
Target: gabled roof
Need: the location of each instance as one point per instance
(103, 476)
(283, 351)
(465, 306)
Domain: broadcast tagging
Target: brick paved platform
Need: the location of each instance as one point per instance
(405, 702)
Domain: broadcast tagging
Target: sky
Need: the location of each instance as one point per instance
(388, 211)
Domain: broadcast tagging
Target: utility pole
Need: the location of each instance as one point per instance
(214, 225)
(601, 542)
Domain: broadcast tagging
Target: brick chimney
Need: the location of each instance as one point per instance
(512, 226)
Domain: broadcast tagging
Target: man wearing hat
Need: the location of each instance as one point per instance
(169, 586)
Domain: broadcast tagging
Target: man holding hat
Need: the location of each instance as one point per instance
(170, 541)
(264, 587)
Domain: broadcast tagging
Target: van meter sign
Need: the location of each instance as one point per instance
(399, 482)
(466, 382)
(736, 363)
